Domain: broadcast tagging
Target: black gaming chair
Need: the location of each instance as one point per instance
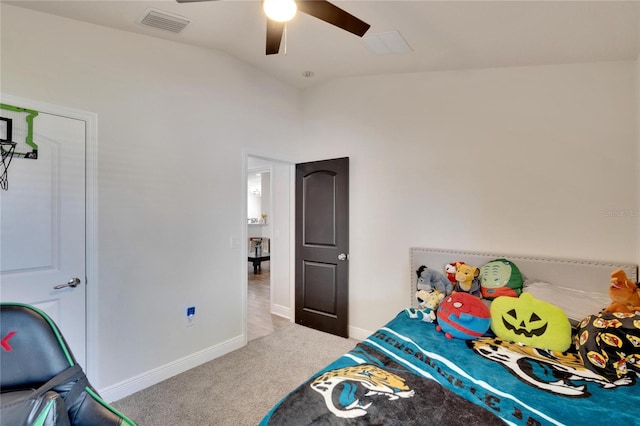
(40, 381)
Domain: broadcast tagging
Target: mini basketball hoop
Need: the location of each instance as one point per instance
(17, 126)
(16, 137)
(7, 148)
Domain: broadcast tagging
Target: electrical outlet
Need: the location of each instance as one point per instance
(191, 315)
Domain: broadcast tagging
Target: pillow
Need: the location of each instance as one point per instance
(530, 321)
(500, 277)
(577, 304)
(609, 344)
(463, 316)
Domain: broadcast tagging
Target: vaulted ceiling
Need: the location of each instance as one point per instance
(442, 35)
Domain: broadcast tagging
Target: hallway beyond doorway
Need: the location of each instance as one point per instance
(260, 321)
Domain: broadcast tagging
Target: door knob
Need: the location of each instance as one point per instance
(343, 256)
(73, 283)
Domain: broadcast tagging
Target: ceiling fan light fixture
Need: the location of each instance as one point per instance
(280, 10)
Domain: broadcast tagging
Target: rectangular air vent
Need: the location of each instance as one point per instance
(163, 20)
(386, 43)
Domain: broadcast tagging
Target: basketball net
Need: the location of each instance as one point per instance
(7, 148)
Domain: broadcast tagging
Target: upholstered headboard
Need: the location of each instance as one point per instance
(584, 275)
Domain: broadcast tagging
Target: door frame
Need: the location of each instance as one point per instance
(272, 157)
(91, 217)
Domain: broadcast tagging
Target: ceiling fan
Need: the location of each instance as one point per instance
(320, 9)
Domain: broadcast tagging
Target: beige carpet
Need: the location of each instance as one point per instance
(238, 388)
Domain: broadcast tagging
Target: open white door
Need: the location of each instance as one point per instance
(42, 228)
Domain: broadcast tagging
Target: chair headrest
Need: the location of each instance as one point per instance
(32, 349)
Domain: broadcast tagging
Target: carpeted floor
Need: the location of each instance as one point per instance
(240, 387)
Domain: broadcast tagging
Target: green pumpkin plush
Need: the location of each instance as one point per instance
(530, 321)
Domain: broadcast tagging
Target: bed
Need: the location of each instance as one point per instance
(408, 372)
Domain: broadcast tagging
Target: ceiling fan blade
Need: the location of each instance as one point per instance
(274, 36)
(332, 14)
(192, 1)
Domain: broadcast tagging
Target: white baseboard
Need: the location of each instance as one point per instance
(150, 378)
(281, 311)
(359, 333)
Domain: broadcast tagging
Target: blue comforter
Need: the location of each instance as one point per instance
(409, 373)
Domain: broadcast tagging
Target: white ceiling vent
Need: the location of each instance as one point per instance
(163, 20)
(386, 43)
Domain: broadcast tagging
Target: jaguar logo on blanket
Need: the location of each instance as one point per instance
(375, 380)
(555, 372)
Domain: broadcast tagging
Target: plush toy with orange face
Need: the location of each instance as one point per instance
(467, 279)
(623, 293)
(530, 321)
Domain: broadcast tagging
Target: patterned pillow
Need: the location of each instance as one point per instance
(609, 344)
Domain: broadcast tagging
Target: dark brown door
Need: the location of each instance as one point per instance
(322, 245)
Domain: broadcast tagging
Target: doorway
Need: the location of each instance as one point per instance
(282, 280)
(269, 223)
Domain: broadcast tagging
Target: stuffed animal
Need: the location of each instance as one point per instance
(623, 293)
(467, 279)
(450, 270)
(500, 277)
(428, 302)
(463, 316)
(431, 280)
(530, 321)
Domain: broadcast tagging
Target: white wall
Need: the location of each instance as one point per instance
(535, 160)
(258, 204)
(173, 123)
(265, 202)
(254, 204)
